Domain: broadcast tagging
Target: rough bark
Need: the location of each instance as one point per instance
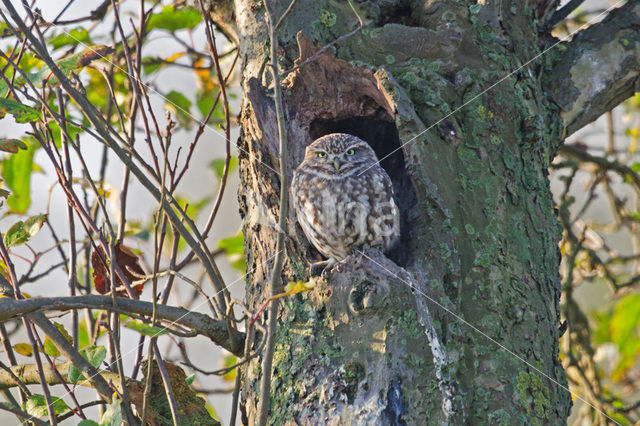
(599, 69)
(388, 340)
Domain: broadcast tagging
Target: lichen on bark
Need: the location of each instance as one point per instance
(451, 87)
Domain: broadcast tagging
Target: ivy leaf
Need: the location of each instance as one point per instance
(21, 113)
(171, 19)
(189, 379)
(87, 422)
(16, 172)
(146, 329)
(94, 354)
(112, 415)
(217, 166)
(36, 405)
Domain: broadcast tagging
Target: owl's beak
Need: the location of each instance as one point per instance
(336, 163)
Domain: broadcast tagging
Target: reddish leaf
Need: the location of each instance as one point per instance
(93, 53)
(128, 263)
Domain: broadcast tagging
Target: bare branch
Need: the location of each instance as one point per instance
(204, 325)
(28, 374)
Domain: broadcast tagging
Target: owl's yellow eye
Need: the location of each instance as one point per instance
(322, 154)
(350, 151)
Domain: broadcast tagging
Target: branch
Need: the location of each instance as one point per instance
(28, 374)
(562, 13)
(275, 283)
(223, 16)
(598, 69)
(582, 155)
(216, 330)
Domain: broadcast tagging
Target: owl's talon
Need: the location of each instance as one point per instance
(321, 268)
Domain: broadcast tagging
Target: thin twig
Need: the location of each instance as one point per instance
(275, 283)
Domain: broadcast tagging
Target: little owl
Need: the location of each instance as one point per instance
(343, 198)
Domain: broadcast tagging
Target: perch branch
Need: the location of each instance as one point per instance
(204, 325)
(28, 374)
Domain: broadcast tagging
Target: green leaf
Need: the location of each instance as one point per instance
(83, 334)
(50, 348)
(233, 245)
(189, 380)
(172, 20)
(625, 319)
(234, 248)
(16, 235)
(217, 166)
(16, 171)
(151, 65)
(112, 415)
(21, 231)
(227, 362)
(180, 106)
(70, 38)
(36, 405)
(56, 132)
(12, 145)
(21, 113)
(87, 422)
(74, 374)
(94, 354)
(146, 329)
(64, 332)
(69, 64)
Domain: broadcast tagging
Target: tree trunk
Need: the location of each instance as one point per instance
(460, 323)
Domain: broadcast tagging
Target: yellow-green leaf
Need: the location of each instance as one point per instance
(227, 362)
(294, 287)
(146, 329)
(36, 405)
(16, 235)
(50, 348)
(171, 19)
(24, 349)
(16, 172)
(34, 223)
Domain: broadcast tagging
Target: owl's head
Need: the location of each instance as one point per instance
(339, 154)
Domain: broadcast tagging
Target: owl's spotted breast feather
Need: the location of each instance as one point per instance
(343, 199)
